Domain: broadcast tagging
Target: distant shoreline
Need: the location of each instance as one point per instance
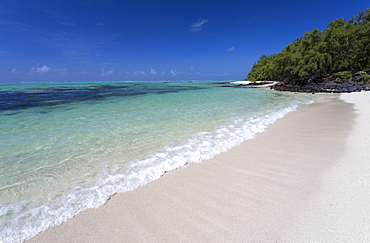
(254, 84)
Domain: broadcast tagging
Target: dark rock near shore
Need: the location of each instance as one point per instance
(330, 83)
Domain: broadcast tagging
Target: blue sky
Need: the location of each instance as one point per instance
(118, 40)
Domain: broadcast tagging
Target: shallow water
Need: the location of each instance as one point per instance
(65, 147)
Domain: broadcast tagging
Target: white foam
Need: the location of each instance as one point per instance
(28, 218)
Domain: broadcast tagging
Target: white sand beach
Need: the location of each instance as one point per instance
(305, 179)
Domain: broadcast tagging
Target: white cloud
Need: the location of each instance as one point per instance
(100, 24)
(231, 48)
(138, 73)
(198, 26)
(15, 71)
(43, 69)
(61, 71)
(153, 71)
(173, 72)
(106, 73)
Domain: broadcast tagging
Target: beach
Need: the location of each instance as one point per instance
(305, 179)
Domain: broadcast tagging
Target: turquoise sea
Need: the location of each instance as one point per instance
(66, 147)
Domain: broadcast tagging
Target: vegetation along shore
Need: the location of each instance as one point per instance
(334, 60)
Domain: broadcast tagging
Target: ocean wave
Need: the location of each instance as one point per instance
(27, 218)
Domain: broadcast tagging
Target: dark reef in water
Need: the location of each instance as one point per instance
(15, 100)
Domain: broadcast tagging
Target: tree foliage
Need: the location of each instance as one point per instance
(343, 45)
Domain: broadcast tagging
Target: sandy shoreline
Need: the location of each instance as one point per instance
(305, 179)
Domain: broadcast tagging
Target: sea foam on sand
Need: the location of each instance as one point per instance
(306, 179)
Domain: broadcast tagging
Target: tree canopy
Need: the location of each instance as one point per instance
(342, 46)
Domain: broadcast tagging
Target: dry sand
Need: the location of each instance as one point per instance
(306, 179)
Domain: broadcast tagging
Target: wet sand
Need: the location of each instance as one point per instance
(306, 179)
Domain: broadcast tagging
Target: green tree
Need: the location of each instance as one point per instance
(342, 46)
